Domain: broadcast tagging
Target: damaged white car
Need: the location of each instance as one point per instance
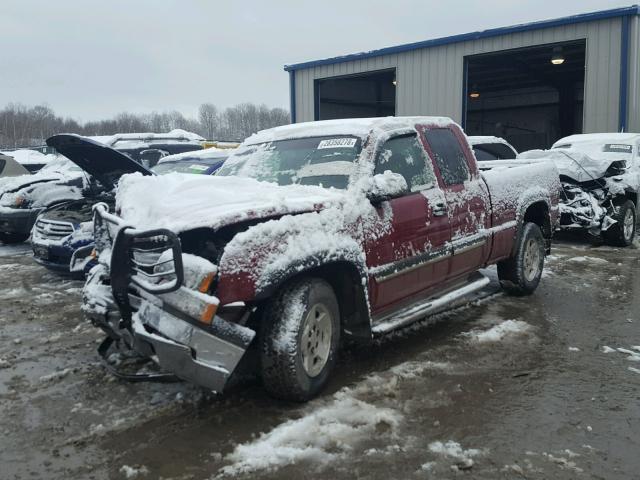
(600, 175)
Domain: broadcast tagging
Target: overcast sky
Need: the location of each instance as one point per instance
(90, 59)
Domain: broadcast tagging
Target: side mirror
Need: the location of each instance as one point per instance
(385, 186)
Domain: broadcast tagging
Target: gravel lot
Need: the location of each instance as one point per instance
(539, 387)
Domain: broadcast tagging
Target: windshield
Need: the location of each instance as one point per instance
(323, 161)
(180, 167)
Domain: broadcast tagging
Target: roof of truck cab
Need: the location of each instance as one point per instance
(359, 127)
(480, 139)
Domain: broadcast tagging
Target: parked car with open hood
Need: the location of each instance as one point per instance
(308, 234)
(10, 168)
(61, 231)
(600, 175)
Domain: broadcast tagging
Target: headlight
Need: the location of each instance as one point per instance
(19, 201)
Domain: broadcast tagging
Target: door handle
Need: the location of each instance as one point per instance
(439, 209)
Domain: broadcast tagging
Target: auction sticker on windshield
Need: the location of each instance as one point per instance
(617, 147)
(338, 143)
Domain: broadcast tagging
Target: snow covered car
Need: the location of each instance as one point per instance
(24, 197)
(205, 162)
(488, 148)
(65, 230)
(10, 168)
(600, 175)
(308, 234)
(31, 160)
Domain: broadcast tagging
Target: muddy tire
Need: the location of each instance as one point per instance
(13, 237)
(520, 274)
(622, 233)
(299, 339)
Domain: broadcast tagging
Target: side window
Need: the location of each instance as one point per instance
(448, 155)
(404, 155)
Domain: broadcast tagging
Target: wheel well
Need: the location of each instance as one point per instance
(347, 284)
(538, 213)
(633, 196)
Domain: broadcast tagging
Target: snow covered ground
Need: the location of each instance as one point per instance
(538, 387)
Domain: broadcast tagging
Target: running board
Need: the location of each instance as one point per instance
(420, 310)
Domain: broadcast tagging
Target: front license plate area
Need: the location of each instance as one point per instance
(41, 252)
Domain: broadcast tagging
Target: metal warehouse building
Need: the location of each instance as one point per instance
(530, 83)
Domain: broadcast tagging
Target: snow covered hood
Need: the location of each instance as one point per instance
(572, 163)
(181, 202)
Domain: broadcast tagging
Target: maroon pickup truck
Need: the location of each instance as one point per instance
(310, 234)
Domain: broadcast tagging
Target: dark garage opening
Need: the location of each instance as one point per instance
(522, 96)
(372, 94)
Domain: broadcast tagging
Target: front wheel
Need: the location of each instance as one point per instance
(299, 341)
(520, 274)
(621, 233)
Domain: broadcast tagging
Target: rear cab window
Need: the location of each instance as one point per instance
(448, 155)
(404, 155)
(493, 151)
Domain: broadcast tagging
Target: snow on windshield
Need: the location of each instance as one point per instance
(321, 161)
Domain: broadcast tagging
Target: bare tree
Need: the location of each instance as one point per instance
(22, 126)
(208, 116)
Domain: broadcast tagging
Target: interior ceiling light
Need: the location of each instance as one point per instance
(474, 93)
(557, 58)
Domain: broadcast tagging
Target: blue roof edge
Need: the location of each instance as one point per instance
(493, 32)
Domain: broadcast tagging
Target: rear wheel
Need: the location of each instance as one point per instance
(521, 273)
(13, 237)
(622, 233)
(299, 341)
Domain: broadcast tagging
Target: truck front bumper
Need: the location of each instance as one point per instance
(188, 351)
(206, 355)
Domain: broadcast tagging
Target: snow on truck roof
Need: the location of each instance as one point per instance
(359, 127)
(612, 137)
(481, 139)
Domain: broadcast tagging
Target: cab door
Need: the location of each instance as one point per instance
(412, 255)
(466, 194)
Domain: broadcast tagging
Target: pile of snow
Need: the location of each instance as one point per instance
(586, 259)
(508, 328)
(454, 450)
(322, 436)
(331, 429)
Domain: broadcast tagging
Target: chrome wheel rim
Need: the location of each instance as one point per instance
(628, 224)
(316, 339)
(531, 260)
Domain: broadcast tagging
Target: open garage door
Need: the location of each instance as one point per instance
(371, 94)
(531, 96)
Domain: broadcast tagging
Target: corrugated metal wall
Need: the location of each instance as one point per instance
(634, 76)
(430, 79)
